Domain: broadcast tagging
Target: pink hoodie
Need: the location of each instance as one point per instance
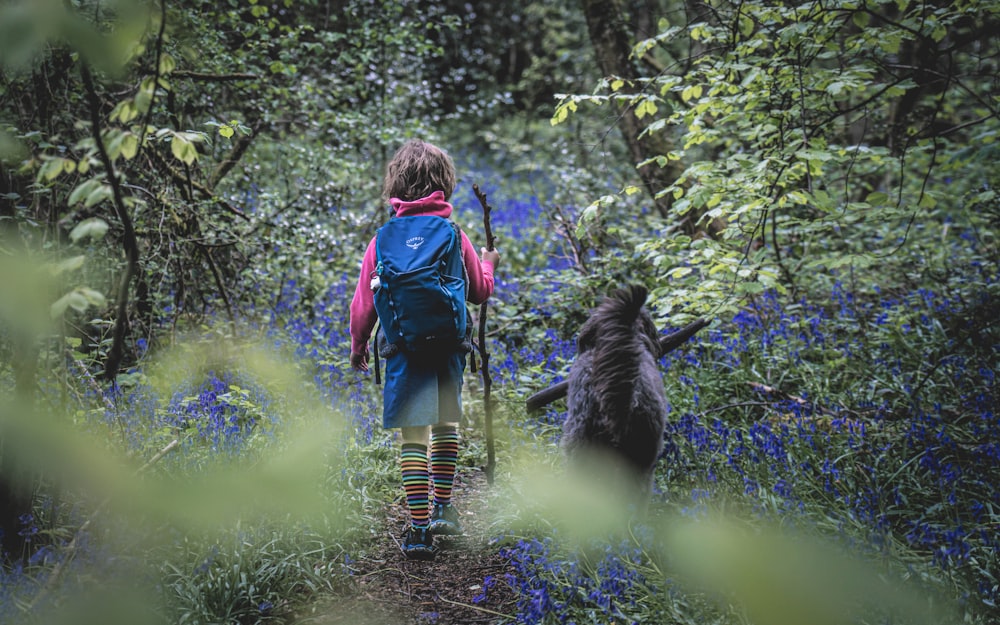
(363, 315)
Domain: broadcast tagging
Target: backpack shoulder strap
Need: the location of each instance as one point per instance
(461, 258)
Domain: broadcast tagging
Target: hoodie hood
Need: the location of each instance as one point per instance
(434, 204)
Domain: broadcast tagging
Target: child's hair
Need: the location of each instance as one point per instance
(416, 170)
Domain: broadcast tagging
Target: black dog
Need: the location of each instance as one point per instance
(616, 401)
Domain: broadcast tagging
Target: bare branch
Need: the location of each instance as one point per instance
(129, 238)
(207, 77)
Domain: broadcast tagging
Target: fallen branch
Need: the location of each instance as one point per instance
(475, 607)
(668, 344)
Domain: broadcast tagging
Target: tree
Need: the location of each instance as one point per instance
(502, 58)
(817, 133)
(124, 127)
(612, 41)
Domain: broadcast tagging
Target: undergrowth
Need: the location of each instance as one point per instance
(859, 412)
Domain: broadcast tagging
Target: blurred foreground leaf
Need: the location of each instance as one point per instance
(777, 577)
(782, 579)
(29, 27)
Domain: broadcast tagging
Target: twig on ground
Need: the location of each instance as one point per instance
(476, 608)
(768, 390)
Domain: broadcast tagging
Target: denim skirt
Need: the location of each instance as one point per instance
(422, 389)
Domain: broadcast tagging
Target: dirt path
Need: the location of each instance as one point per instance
(389, 589)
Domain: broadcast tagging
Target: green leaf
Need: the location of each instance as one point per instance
(226, 131)
(183, 150)
(129, 145)
(877, 198)
(93, 228)
(563, 111)
(813, 155)
(114, 145)
(70, 300)
(591, 213)
(890, 42)
(167, 64)
(79, 299)
(82, 190)
(691, 92)
(645, 107)
(50, 170)
(70, 264)
(94, 298)
(144, 97)
(11, 148)
(124, 111)
(98, 195)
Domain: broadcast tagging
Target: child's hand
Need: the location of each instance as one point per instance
(359, 361)
(491, 256)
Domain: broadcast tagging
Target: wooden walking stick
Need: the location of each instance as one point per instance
(483, 353)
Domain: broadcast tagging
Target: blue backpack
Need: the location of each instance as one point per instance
(420, 288)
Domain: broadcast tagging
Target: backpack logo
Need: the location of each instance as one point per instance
(420, 296)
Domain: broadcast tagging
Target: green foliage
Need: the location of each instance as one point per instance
(826, 149)
(156, 148)
(812, 136)
(228, 520)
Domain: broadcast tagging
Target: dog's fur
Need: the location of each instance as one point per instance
(616, 402)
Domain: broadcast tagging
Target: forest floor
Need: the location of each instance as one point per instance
(387, 588)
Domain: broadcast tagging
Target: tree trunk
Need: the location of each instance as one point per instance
(612, 43)
(15, 495)
(15, 501)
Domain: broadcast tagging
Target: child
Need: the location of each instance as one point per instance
(422, 393)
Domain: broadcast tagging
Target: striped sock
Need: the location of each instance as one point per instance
(416, 482)
(444, 457)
